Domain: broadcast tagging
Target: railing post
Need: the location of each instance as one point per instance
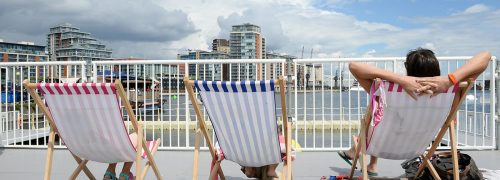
(497, 106)
(289, 82)
(88, 70)
(186, 108)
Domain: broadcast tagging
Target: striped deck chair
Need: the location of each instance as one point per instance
(243, 116)
(404, 127)
(88, 118)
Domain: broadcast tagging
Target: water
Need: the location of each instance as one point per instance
(319, 106)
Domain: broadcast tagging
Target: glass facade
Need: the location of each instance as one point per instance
(22, 52)
(205, 71)
(246, 42)
(68, 43)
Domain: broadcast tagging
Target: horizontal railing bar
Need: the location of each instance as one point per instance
(204, 61)
(323, 60)
(125, 62)
(229, 61)
(42, 63)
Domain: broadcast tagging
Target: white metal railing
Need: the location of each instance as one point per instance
(326, 108)
(475, 120)
(23, 124)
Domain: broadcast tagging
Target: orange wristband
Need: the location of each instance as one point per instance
(452, 78)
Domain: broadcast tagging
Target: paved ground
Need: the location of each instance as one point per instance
(29, 164)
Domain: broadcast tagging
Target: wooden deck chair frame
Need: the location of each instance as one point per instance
(141, 142)
(202, 129)
(447, 126)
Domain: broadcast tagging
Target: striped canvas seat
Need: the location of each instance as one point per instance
(243, 115)
(407, 126)
(88, 119)
(244, 119)
(403, 127)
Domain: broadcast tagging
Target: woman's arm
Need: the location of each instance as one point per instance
(472, 69)
(365, 74)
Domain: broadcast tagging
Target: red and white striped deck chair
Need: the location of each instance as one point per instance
(403, 127)
(88, 118)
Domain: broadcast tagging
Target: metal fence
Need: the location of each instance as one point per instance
(22, 122)
(329, 103)
(324, 99)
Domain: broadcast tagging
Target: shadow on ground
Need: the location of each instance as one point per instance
(357, 172)
(343, 171)
(236, 178)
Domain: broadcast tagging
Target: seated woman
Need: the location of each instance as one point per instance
(423, 76)
(125, 174)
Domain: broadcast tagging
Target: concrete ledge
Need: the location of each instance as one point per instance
(299, 125)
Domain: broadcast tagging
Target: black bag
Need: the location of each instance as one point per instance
(443, 163)
(411, 168)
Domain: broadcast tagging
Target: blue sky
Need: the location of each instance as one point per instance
(399, 12)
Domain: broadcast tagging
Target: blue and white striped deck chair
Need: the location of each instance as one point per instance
(243, 115)
(407, 126)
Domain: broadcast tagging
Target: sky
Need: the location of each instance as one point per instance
(161, 29)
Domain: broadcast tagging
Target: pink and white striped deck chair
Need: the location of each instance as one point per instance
(404, 127)
(88, 118)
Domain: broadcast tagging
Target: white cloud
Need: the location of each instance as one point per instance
(429, 45)
(477, 8)
(287, 25)
(376, 26)
(346, 1)
(369, 53)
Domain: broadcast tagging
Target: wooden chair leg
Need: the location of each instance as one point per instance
(50, 154)
(221, 174)
(149, 163)
(363, 141)
(85, 169)
(139, 151)
(427, 163)
(196, 153)
(361, 151)
(215, 170)
(357, 150)
(363, 162)
(77, 171)
(454, 152)
(288, 163)
(283, 172)
(151, 160)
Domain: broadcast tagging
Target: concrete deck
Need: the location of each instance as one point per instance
(29, 164)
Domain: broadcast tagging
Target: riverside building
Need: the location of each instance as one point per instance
(67, 43)
(246, 42)
(22, 52)
(204, 71)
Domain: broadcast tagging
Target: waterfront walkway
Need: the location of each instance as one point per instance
(29, 164)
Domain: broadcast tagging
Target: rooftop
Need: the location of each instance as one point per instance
(29, 164)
